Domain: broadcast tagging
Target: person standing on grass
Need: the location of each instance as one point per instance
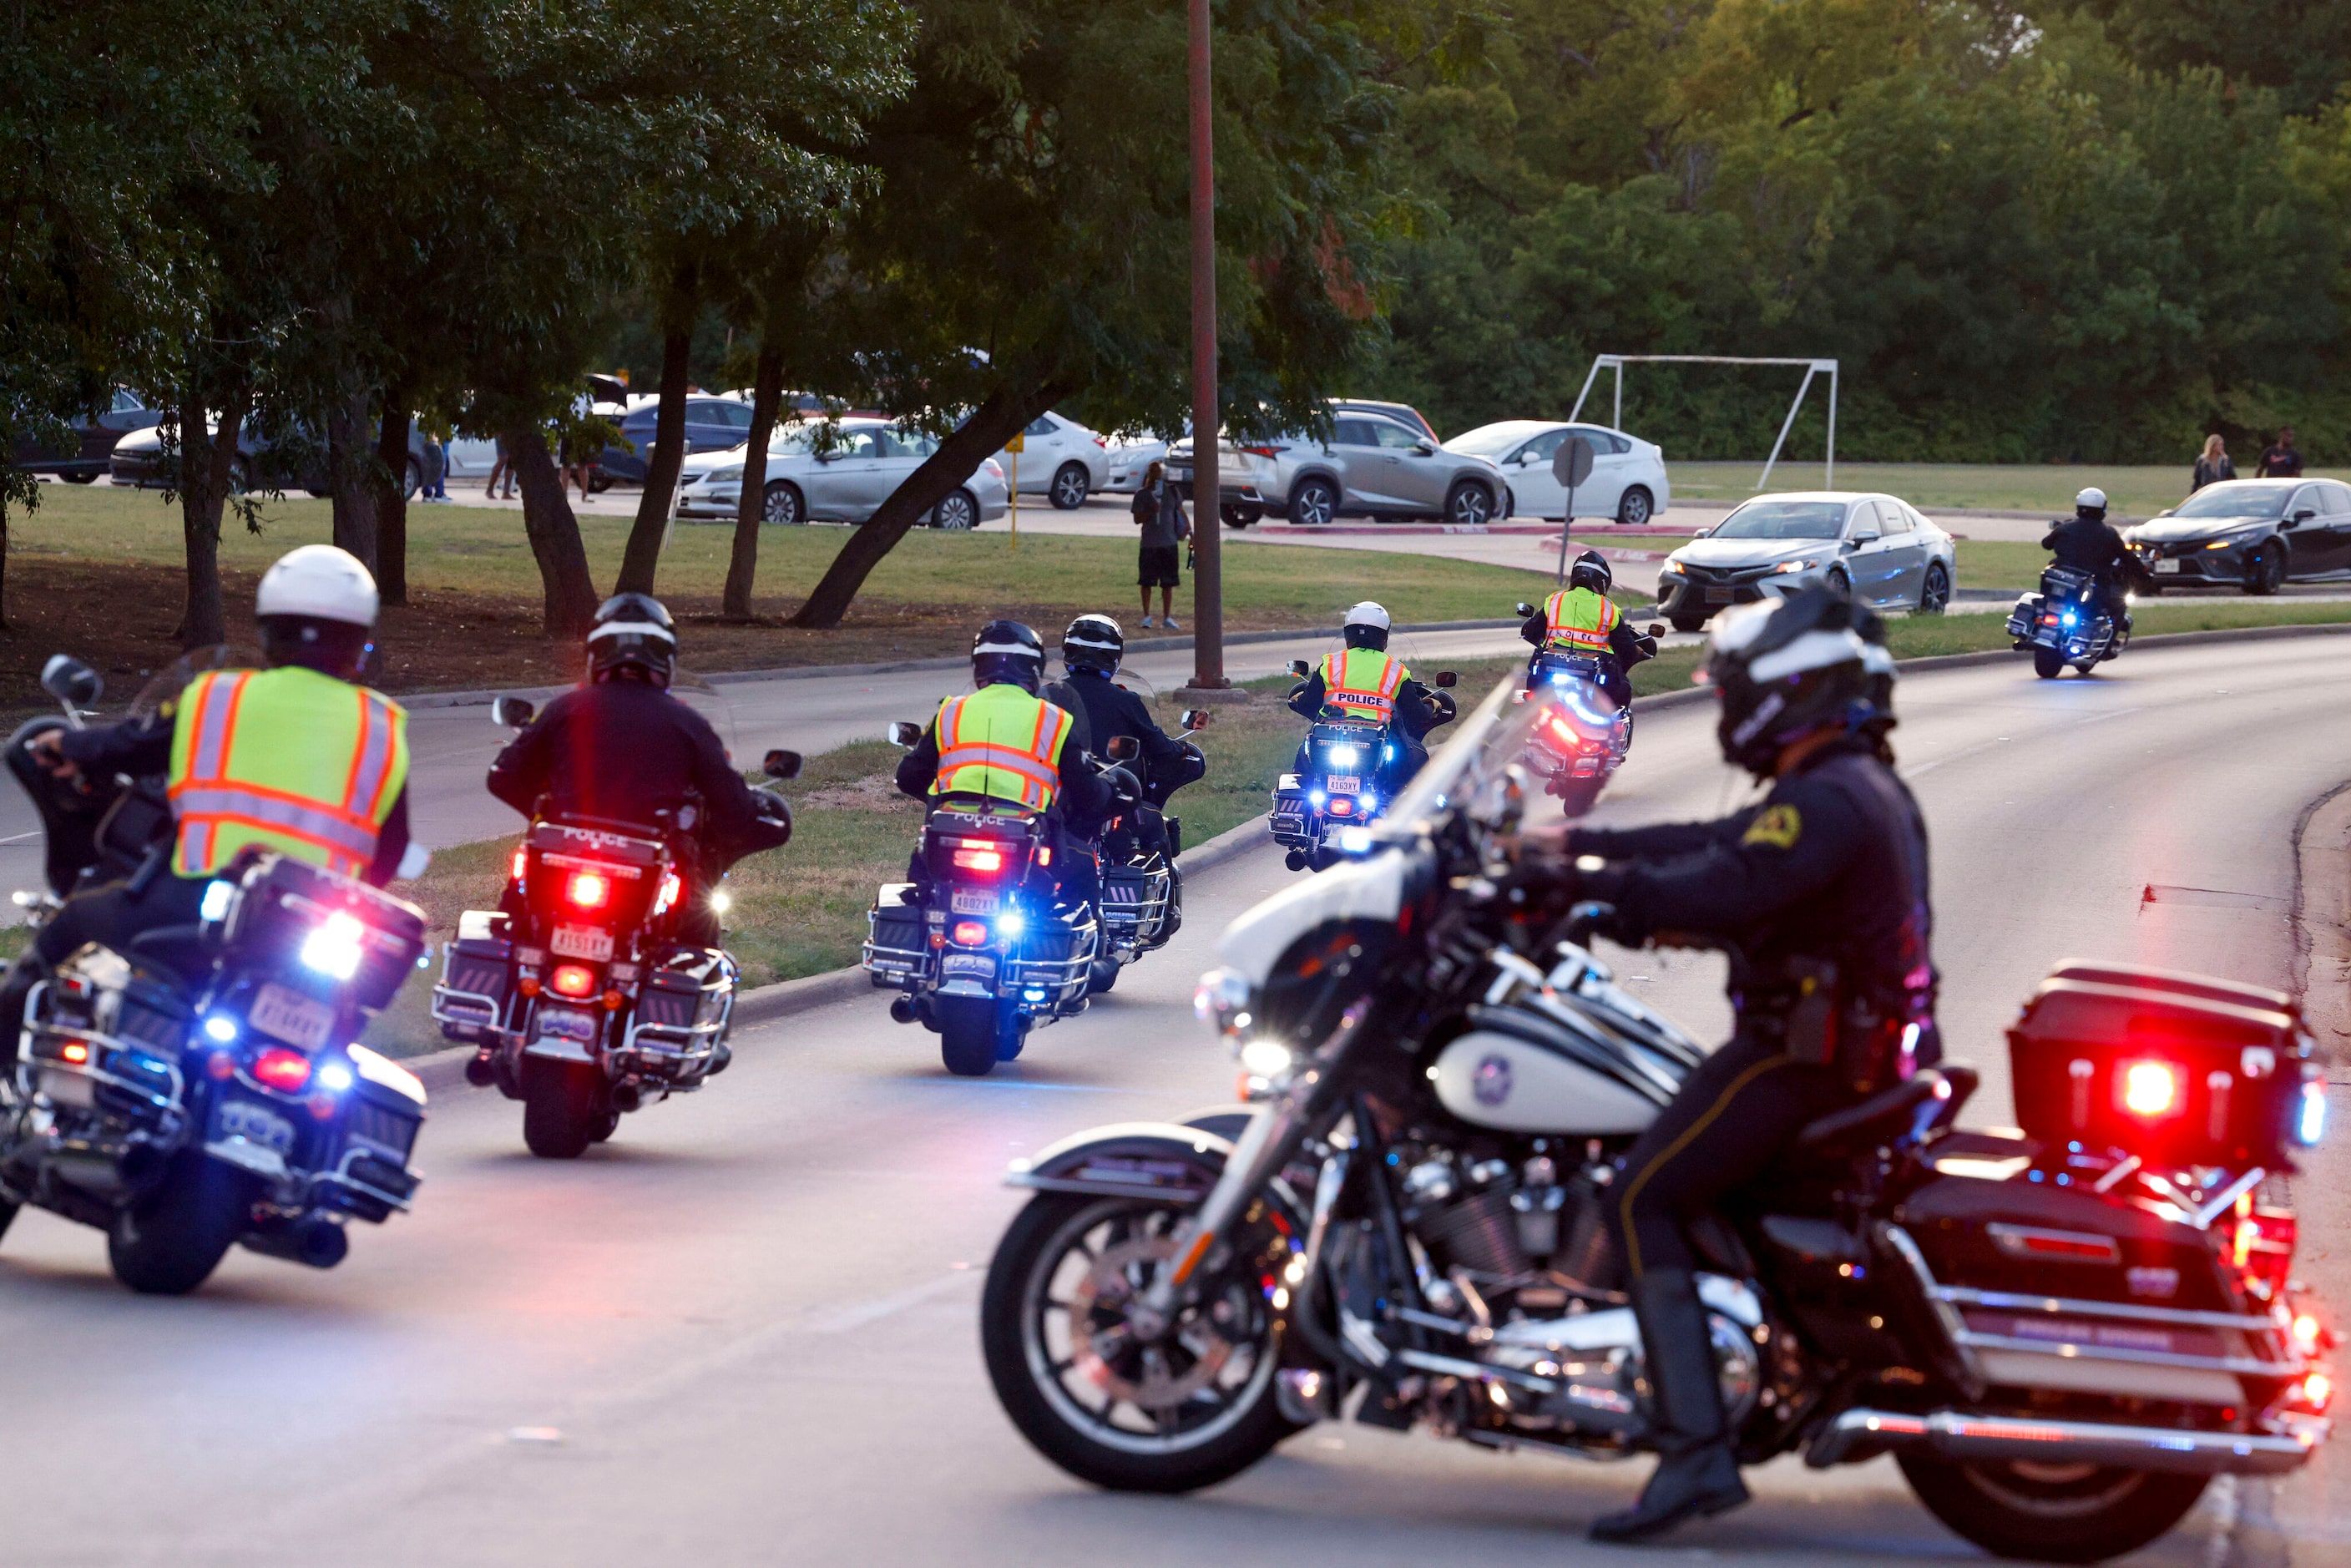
(2213, 466)
(1159, 513)
(2281, 461)
(501, 466)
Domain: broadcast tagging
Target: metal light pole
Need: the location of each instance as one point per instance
(1208, 580)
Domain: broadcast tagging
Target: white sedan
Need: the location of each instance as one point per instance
(1061, 459)
(1131, 457)
(1628, 475)
(842, 472)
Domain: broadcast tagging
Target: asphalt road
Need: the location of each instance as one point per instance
(743, 1333)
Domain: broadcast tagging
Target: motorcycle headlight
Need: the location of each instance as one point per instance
(1263, 1058)
(1226, 1000)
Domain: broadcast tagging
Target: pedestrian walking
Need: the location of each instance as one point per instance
(2280, 460)
(501, 466)
(2213, 466)
(1159, 513)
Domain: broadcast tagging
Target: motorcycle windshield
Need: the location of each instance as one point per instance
(1473, 769)
(169, 681)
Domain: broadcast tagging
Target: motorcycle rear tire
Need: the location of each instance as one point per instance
(170, 1241)
(2059, 1516)
(971, 1036)
(562, 1107)
(1578, 796)
(2048, 664)
(1102, 976)
(7, 1217)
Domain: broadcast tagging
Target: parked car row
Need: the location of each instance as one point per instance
(85, 455)
(290, 459)
(837, 471)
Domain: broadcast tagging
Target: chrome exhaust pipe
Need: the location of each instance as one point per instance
(315, 1242)
(628, 1094)
(1859, 1435)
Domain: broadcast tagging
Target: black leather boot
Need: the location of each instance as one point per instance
(1697, 1473)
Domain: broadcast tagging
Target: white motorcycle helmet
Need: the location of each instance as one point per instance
(1366, 626)
(317, 607)
(2091, 500)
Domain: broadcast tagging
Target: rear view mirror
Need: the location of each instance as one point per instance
(1442, 678)
(781, 764)
(1523, 608)
(1300, 668)
(906, 733)
(1862, 538)
(1657, 628)
(1196, 718)
(1122, 749)
(511, 713)
(2304, 515)
(1700, 533)
(1423, 449)
(71, 681)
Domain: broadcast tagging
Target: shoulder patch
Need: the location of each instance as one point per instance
(1779, 826)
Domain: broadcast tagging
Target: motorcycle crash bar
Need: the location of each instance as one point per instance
(1859, 1435)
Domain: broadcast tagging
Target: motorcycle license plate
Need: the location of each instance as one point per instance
(2173, 564)
(583, 942)
(976, 966)
(292, 1017)
(1717, 596)
(1344, 784)
(567, 1023)
(966, 901)
(256, 1125)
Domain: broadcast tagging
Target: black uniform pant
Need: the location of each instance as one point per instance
(1737, 1111)
(112, 914)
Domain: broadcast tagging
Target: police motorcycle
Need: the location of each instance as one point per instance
(993, 952)
(586, 996)
(1348, 762)
(204, 1088)
(1141, 891)
(1578, 747)
(2062, 1332)
(2065, 623)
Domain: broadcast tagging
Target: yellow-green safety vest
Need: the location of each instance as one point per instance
(289, 759)
(1578, 621)
(1362, 683)
(1002, 742)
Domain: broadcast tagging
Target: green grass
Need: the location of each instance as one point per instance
(2136, 491)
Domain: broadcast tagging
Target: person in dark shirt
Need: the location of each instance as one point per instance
(2280, 460)
(1090, 651)
(1159, 513)
(2212, 466)
(2087, 542)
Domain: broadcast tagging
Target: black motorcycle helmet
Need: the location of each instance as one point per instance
(1788, 671)
(1591, 570)
(1366, 626)
(632, 637)
(1093, 642)
(1007, 653)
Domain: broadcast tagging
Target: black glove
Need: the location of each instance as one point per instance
(1124, 786)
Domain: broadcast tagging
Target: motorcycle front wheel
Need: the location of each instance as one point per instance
(2050, 1512)
(170, 1241)
(563, 1107)
(1171, 1414)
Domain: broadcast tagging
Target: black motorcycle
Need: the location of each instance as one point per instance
(595, 989)
(204, 1087)
(2065, 623)
(2061, 1335)
(1348, 771)
(1585, 738)
(1142, 888)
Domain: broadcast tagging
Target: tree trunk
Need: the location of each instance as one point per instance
(350, 457)
(207, 473)
(554, 535)
(392, 499)
(743, 565)
(958, 457)
(642, 557)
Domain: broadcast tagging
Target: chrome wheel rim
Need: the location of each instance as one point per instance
(1315, 507)
(955, 513)
(1471, 507)
(782, 506)
(1636, 509)
(1070, 488)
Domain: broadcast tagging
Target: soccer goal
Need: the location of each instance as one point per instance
(1812, 369)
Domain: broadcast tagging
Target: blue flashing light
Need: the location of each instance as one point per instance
(1387, 751)
(1011, 923)
(2310, 1126)
(2069, 616)
(1369, 801)
(220, 1029)
(214, 908)
(1345, 756)
(334, 1077)
(1314, 797)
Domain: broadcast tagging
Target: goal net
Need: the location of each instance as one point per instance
(1813, 369)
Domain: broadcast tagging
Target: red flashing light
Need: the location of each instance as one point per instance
(74, 1051)
(572, 980)
(521, 865)
(988, 862)
(2066, 1247)
(282, 1070)
(1343, 807)
(2150, 1089)
(971, 933)
(588, 890)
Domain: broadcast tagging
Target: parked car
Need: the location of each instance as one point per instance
(1874, 546)
(2254, 534)
(1403, 413)
(1371, 466)
(1628, 475)
(296, 460)
(1131, 457)
(842, 472)
(713, 423)
(1061, 459)
(93, 439)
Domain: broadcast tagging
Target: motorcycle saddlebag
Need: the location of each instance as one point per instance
(2027, 611)
(895, 947)
(283, 900)
(2176, 1068)
(479, 968)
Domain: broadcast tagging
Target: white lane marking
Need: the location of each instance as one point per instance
(1961, 755)
(1017, 1083)
(846, 1319)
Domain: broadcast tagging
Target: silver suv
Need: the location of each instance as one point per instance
(1371, 466)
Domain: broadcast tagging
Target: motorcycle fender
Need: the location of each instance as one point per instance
(1158, 1158)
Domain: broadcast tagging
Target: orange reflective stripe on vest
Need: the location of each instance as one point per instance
(1362, 683)
(286, 759)
(1000, 741)
(1578, 620)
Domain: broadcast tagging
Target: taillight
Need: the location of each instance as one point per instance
(74, 1051)
(282, 1070)
(672, 890)
(572, 979)
(2150, 1089)
(988, 862)
(1343, 806)
(588, 890)
(521, 867)
(1263, 450)
(971, 933)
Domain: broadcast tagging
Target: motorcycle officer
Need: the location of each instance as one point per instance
(1006, 742)
(1090, 651)
(297, 758)
(620, 747)
(1582, 619)
(2087, 542)
(1820, 892)
(1364, 681)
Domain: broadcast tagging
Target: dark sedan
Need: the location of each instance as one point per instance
(2257, 535)
(84, 455)
(296, 460)
(712, 425)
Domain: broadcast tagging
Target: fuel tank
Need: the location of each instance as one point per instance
(1507, 1081)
